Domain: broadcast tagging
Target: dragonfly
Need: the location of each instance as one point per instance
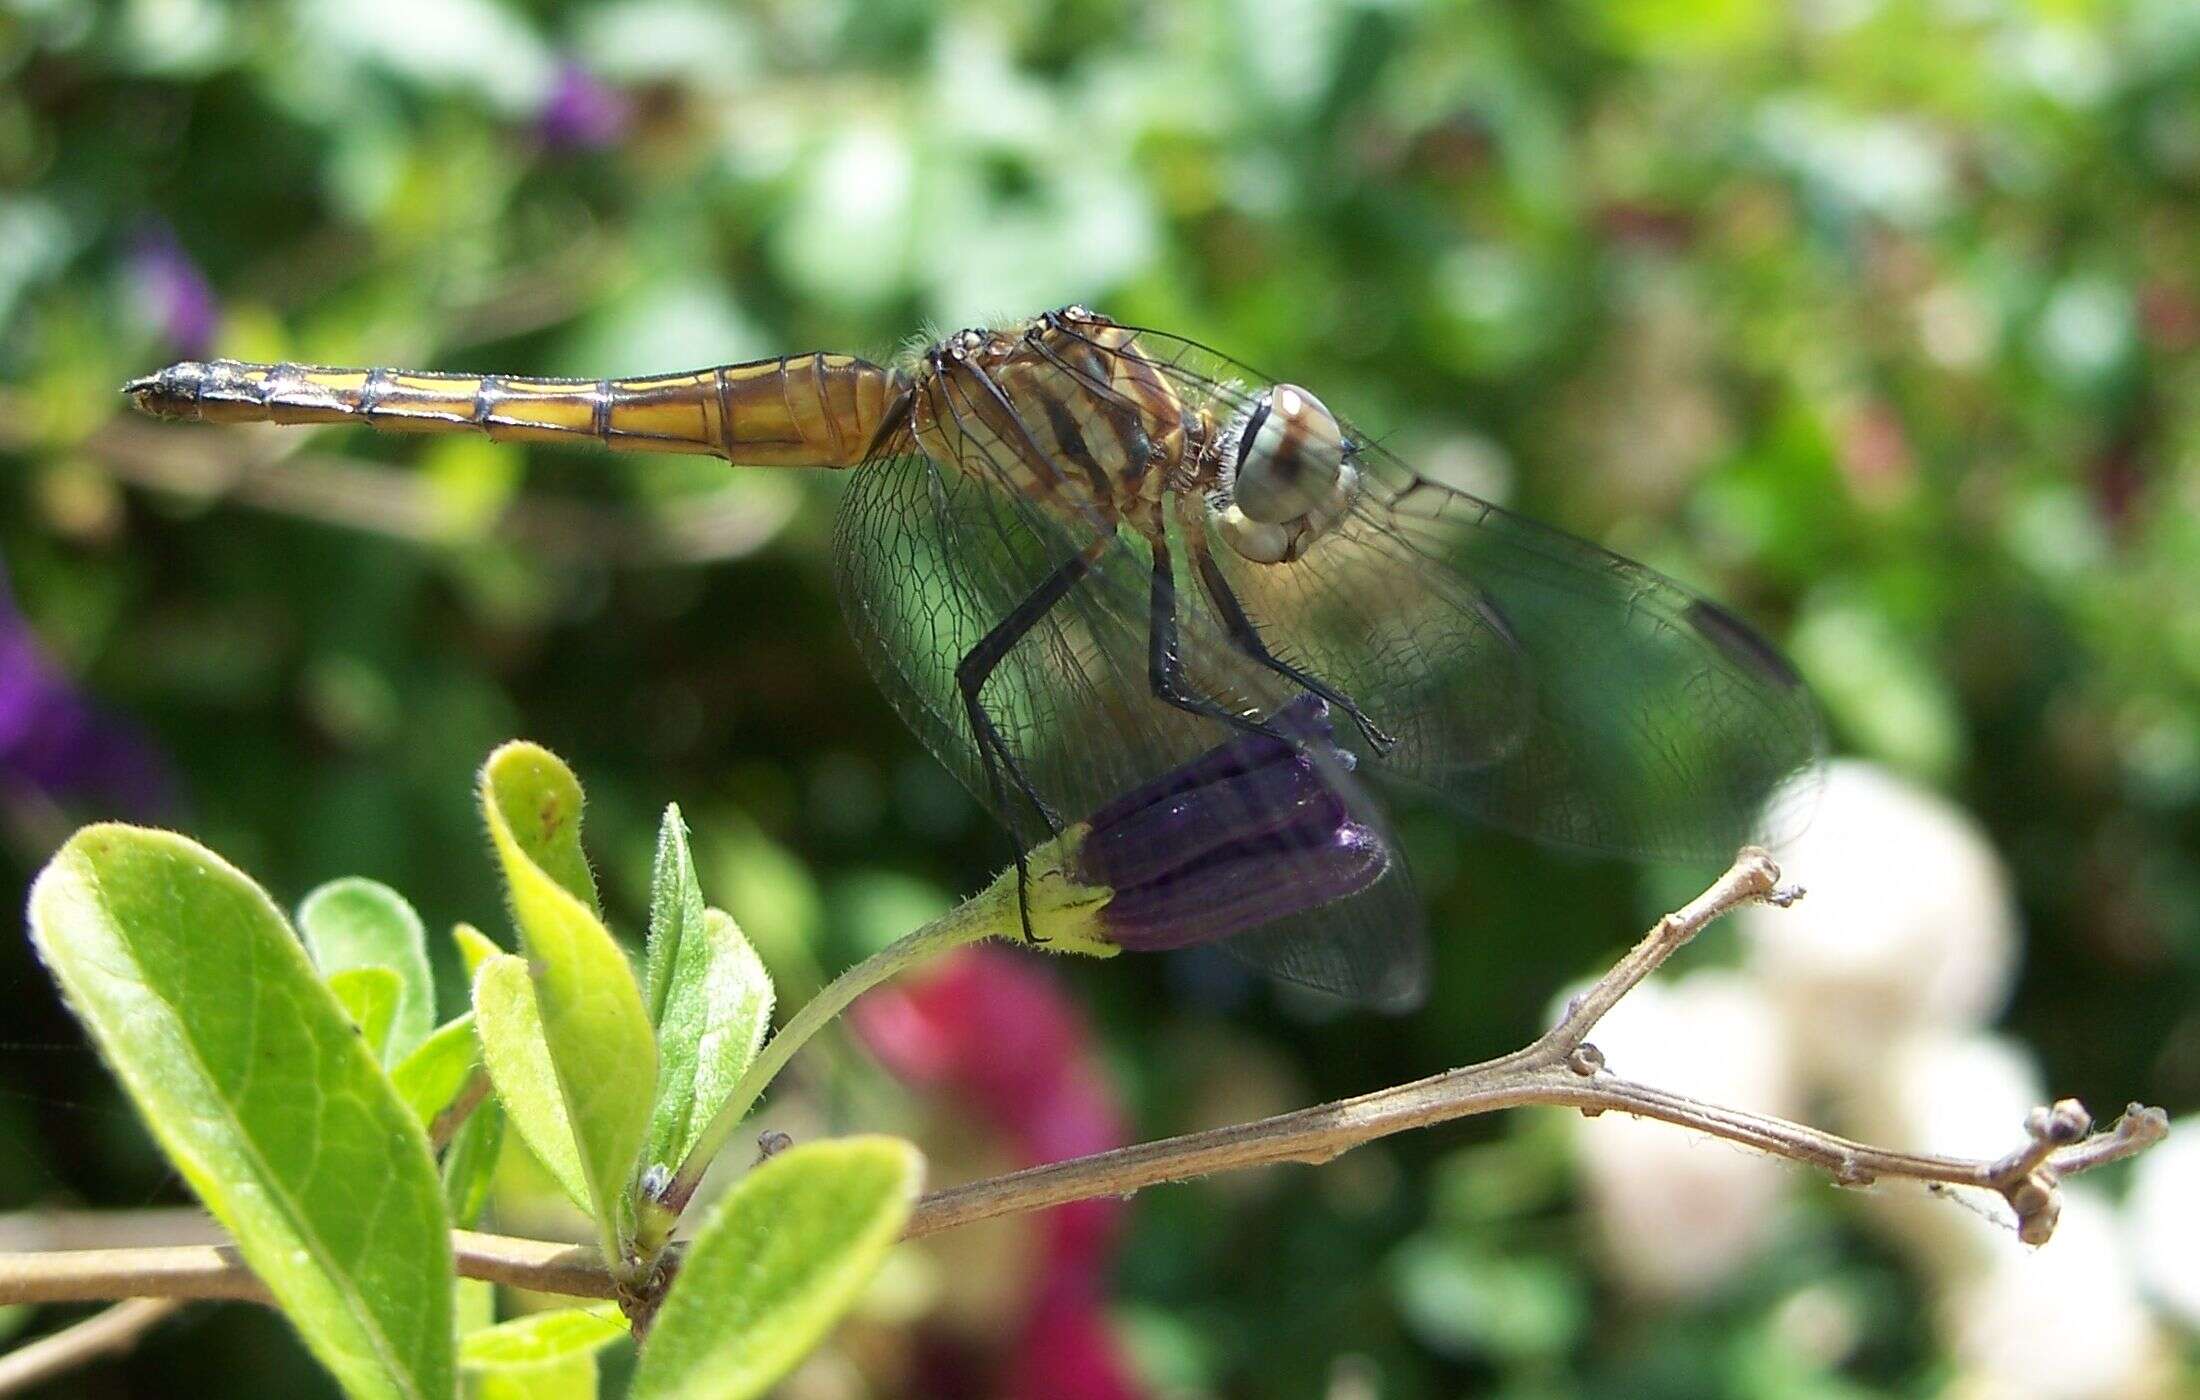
(1076, 553)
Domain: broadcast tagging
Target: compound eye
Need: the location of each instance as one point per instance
(1291, 458)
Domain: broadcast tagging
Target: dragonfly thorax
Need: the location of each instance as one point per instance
(1062, 410)
(1288, 475)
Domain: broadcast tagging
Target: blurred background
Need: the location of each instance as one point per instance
(1875, 319)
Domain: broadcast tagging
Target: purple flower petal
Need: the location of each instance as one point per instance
(1249, 832)
(53, 740)
(1307, 717)
(1185, 828)
(173, 292)
(1244, 888)
(582, 112)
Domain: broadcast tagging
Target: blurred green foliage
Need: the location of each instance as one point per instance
(1876, 318)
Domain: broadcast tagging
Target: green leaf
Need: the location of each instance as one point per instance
(431, 1076)
(540, 1338)
(510, 1029)
(473, 1304)
(369, 997)
(474, 947)
(542, 1356)
(261, 1094)
(534, 797)
(782, 1257)
(470, 1165)
(571, 1379)
(718, 1007)
(358, 923)
(675, 910)
(601, 1045)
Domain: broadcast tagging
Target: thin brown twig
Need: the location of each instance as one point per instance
(459, 1109)
(115, 1329)
(219, 1270)
(1560, 1068)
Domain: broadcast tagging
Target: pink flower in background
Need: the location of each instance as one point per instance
(993, 1032)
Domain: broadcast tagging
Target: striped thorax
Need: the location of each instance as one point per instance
(1063, 409)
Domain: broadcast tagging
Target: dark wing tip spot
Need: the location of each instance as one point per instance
(1742, 643)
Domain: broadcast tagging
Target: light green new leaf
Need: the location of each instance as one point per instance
(431, 1076)
(543, 1356)
(509, 1027)
(781, 1258)
(360, 923)
(262, 1095)
(474, 947)
(543, 1337)
(535, 797)
(718, 1007)
(600, 1040)
(369, 997)
(571, 1379)
(675, 909)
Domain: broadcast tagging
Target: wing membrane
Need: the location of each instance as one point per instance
(1625, 714)
(930, 560)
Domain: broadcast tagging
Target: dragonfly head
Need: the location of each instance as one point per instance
(1288, 475)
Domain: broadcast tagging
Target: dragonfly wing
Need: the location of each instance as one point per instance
(1620, 712)
(929, 561)
(1663, 725)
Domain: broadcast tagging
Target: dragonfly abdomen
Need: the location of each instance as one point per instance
(797, 411)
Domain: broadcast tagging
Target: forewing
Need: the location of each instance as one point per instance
(1664, 726)
(930, 560)
(1543, 683)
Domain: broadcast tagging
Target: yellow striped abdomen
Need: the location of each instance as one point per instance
(796, 411)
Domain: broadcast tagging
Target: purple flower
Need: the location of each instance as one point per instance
(1246, 833)
(582, 112)
(55, 743)
(173, 292)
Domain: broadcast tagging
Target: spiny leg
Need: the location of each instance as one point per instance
(1246, 638)
(971, 674)
(1165, 662)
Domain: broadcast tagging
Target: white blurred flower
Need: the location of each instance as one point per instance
(1956, 1094)
(1909, 921)
(1679, 1211)
(477, 46)
(2064, 1322)
(2162, 1214)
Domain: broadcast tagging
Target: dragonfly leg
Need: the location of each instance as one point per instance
(1165, 662)
(971, 673)
(1246, 637)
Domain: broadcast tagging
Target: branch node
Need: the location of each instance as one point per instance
(1853, 1173)
(1585, 1060)
(2142, 1125)
(2038, 1205)
(2046, 1129)
(2061, 1125)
